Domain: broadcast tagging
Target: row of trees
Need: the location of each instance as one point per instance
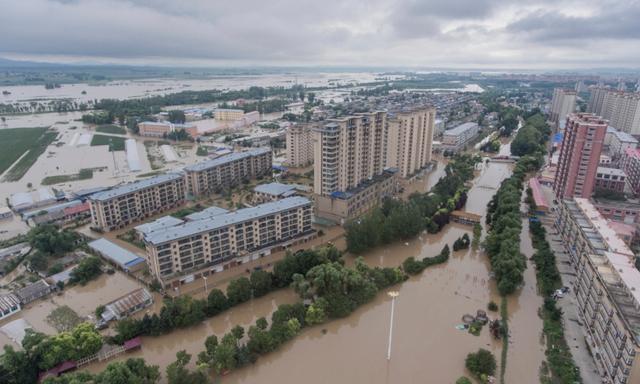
(396, 219)
(185, 311)
(132, 370)
(503, 240)
(414, 267)
(41, 352)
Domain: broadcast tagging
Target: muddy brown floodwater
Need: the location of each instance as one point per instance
(426, 348)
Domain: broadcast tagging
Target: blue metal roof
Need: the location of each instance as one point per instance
(115, 253)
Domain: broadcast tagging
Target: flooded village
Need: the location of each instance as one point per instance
(168, 248)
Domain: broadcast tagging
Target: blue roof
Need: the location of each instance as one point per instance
(194, 227)
(203, 165)
(557, 138)
(115, 253)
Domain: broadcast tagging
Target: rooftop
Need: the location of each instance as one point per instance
(460, 129)
(163, 222)
(611, 171)
(193, 227)
(276, 189)
(206, 213)
(115, 253)
(207, 164)
(135, 186)
(128, 302)
(622, 136)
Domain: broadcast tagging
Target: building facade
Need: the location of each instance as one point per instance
(611, 179)
(562, 104)
(130, 203)
(161, 129)
(579, 155)
(349, 151)
(456, 138)
(228, 239)
(630, 164)
(607, 289)
(299, 145)
(622, 109)
(410, 139)
(212, 176)
(619, 142)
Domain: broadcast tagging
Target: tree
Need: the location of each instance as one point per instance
(50, 240)
(261, 283)
(216, 302)
(177, 117)
(463, 380)
(88, 268)
(178, 373)
(239, 291)
(481, 363)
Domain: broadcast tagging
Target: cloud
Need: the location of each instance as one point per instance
(400, 33)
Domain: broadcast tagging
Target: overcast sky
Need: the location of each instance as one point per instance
(535, 34)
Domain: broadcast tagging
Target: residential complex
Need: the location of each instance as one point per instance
(227, 171)
(410, 139)
(129, 203)
(630, 164)
(299, 145)
(607, 290)
(348, 151)
(579, 155)
(456, 138)
(227, 239)
(161, 129)
(622, 109)
(562, 104)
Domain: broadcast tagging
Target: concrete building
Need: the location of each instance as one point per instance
(273, 191)
(579, 155)
(299, 145)
(143, 230)
(607, 289)
(630, 164)
(456, 138)
(623, 211)
(410, 139)
(562, 104)
(133, 202)
(611, 179)
(222, 114)
(349, 151)
(226, 240)
(215, 175)
(619, 142)
(161, 129)
(343, 206)
(622, 109)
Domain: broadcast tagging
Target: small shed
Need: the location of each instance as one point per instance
(115, 254)
(33, 291)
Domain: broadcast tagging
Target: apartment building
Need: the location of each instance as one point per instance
(349, 151)
(618, 142)
(228, 114)
(299, 145)
(456, 138)
(562, 104)
(622, 109)
(222, 241)
(130, 203)
(579, 155)
(227, 171)
(161, 129)
(410, 139)
(607, 289)
(630, 164)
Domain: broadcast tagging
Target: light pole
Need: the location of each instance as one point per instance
(205, 284)
(393, 295)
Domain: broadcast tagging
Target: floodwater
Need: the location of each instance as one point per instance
(426, 347)
(126, 89)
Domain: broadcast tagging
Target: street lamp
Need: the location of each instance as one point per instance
(205, 283)
(393, 295)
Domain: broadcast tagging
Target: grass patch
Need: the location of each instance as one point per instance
(84, 174)
(187, 211)
(202, 151)
(149, 174)
(110, 128)
(16, 141)
(117, 143)
(36, 146)
(63, 319)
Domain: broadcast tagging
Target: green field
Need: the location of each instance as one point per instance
(15, 142)
(110, 128)
(84, 174)
(117, 143)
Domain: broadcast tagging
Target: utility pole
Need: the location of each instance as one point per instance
(393, 295)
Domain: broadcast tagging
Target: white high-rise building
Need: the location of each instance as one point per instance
(562, 104)
(299, 145)
(622, 109)
(410, 139)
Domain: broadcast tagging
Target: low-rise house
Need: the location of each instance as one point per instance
(273, 191)
(118, 256)
(9, 304)
(33, 292)
(127, 305)
(611, 179)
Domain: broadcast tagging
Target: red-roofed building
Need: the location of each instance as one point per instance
(538, 197)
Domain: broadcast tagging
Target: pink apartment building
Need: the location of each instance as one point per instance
(579, 155)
